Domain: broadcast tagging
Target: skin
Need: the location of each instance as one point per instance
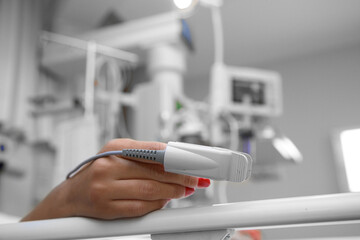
(114, 187)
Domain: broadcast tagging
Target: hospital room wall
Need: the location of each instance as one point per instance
(321, 94)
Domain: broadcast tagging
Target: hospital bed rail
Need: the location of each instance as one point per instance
(272, 213)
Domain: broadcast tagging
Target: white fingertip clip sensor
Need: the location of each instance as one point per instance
(209, 162)
(190, 159)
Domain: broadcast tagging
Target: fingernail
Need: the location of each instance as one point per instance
(189, 191)
(203, 183)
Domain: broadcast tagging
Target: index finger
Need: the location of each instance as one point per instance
(126, 143)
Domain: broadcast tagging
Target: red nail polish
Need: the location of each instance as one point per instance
(203, 183)
(189, 191)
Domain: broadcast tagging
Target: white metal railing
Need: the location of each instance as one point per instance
(311, 210)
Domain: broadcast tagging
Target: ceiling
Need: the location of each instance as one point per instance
(256, 31)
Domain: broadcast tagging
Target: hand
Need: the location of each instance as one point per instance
(114, 187)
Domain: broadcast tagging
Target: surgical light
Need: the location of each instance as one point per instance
(184, 4)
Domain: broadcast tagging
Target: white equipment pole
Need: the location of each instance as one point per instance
(298, 211)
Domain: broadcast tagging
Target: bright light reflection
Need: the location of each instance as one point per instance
(183, 4)
(350, 140)
(287, 149)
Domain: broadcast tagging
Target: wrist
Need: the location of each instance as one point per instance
(55, 205)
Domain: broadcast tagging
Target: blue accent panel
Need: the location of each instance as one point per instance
(2, 148)
(247, 146)
(186, 34)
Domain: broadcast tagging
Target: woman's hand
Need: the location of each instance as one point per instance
(114, 187)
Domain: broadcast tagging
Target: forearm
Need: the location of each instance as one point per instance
(55, 205)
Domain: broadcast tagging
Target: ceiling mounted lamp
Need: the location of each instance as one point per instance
(185, 4)
(189, 5)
